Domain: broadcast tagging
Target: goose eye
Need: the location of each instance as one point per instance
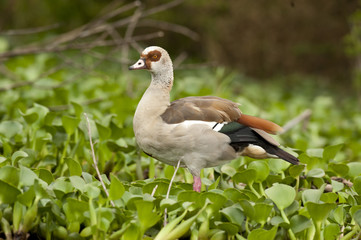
(155, 56)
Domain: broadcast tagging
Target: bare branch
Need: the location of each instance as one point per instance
(154, 189)
(59, 108)
(304, 116)
(85, 45)
(95, 160)
(161, 8)
(129, 33)
(28, 31)
(167, 26)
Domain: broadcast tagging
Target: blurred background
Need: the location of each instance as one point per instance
(258, 38)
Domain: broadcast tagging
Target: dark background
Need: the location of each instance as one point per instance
(259, 38)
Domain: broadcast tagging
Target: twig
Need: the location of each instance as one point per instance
(161, 8)
(15, 32)
(74, 46)
(169, 187)
(154, 189)
(342, 180)
(129, 33)
(305, 116)
(95, 160)
(96, 26)
(167, 26)
(178, 61)
(67, 106)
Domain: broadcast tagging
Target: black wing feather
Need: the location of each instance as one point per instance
(241, 136)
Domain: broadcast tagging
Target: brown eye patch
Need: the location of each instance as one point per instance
(154, 56)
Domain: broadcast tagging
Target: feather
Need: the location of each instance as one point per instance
(259, 123)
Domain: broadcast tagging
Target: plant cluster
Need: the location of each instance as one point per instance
(49, 188)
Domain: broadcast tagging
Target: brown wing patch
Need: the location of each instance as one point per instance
(207, 108)
(259, 123)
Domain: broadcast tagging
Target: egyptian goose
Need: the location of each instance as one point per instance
(202, 131)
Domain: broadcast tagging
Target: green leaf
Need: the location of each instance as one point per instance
(77, 183)
(312, 195)
(27, 198)
(341, 168)
(319, 211)
(331, 231)
(77, 108)
(70, 124)
(30, 118)
(188, 196)
(45, 175)
(247, 176)
(339, 215)
(229, 228)
(337, 186)
(330, 197)
(93, 192)
(218, 200)
(10, 175)
(147, 216)
(261, 168)
(296, 170)
(247, 207)
(74, 167)
(215, 184)
(300, 223)
(61, 184)
(8, 193)
(27, 176)
(170, 204)
(278, 165)
(229, 170)
(234, 214)
(18, 155)
(330, 152)
(74, 210)
(260, 233)
(163, 233)
(282, 195)
(316, 173)
(354, 169)
(262, 212)
(117, 189)
(357, 217)
(104, 132)
(356, 184)
(234, 194)
(10, 128)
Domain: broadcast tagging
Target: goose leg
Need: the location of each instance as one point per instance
(197, 183)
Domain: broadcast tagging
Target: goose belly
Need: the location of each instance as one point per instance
(187, 142)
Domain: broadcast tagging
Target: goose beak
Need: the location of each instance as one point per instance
(139, 65)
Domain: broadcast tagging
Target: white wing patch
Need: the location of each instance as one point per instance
(213, 125)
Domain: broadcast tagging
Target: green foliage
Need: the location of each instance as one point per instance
(48, 185)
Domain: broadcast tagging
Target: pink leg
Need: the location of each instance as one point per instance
(197, 183)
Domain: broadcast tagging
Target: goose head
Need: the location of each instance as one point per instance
(155, 59)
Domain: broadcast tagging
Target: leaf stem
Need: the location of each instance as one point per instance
(349, 235)
(261, 189)
(254, 190)
(285, 218)
(246, 225)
